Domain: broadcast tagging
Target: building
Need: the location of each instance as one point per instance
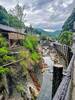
(12, 34)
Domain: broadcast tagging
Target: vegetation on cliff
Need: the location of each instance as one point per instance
(65, 38)
(4, 57)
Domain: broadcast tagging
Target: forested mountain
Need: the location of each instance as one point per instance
(42, 32)
(68, 25)
(49, 33)
(8, 19)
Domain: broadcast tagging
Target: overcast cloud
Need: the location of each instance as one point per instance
(46, 14)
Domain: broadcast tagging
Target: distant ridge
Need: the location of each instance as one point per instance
(47, 33)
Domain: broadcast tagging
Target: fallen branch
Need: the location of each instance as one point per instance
(13, 62)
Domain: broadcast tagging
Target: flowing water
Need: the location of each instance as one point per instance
(46, 88)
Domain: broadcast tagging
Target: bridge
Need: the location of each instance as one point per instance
(12, 34)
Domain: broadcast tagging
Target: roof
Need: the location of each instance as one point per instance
(11, 29)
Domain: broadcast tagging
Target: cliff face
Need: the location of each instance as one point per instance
(68, 25)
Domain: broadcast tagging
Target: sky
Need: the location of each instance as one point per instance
(49, 15)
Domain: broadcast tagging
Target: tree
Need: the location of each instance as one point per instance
(3, 16)
(15, 22)
(18, 11)
(66, 38)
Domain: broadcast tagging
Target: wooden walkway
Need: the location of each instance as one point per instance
(73, 91)
(73, 88)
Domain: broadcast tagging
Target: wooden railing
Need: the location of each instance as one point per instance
(61, 48)
(64, 90)
(64, 51)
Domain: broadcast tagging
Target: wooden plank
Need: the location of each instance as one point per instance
(15, 36)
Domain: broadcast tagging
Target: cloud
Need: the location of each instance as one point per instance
(8, 3)
(46, 14)
(40, 4)
(49, 30)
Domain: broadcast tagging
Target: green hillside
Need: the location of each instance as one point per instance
(47, 33)
(68, 25)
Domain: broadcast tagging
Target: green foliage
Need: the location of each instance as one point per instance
(24, 65)
(26, 62)
(4, 58)
(20, 88)
(3, 51)
(4, 70)
(3, 42)
(35, 56)
(30, 42)
(15, 22)
(24, 54)
(8, 58)
(66, 38)
(30, 53)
